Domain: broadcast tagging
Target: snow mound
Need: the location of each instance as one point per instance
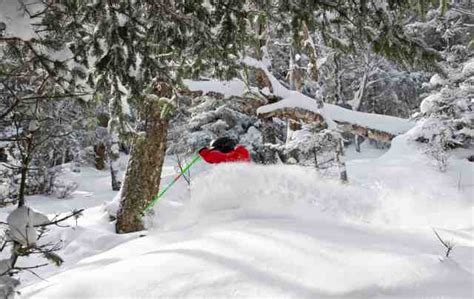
(243, 190)
(430, 102)
(436, 80)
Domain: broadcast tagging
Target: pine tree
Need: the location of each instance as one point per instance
(131, 49)
(39, 104)
(131, 45)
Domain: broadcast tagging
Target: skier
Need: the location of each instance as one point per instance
(224, 149)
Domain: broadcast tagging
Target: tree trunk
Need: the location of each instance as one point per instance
(360, 93)
(315, 153)
(116, 183)
(338, 86)
(25, 164)
(77, 159)
(142, 179)
(114, 155)
(340, 162)
(310, 48)
(357, 143)
(21, 193)
(269, 137)
(99, 150)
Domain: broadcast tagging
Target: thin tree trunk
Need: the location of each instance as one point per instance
(21, 193)
(25, 163)
(99, 150)
(114, 155)
(315, 152)
(341, 163)
(357, 143)
(360, 93)
(76, 165)
(115, 182)
(310, 47)
(338, 85)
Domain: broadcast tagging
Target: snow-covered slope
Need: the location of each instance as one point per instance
(284, 231)
(265, 257)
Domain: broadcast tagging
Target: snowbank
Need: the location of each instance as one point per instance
(412, 192)
(236, 239)
(264, 258)
(283, 231)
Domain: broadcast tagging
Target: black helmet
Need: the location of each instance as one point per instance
(224, 144)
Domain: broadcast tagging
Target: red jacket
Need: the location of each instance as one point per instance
(213, 156)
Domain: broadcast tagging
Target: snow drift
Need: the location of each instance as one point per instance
(284, 231)
(241, 191)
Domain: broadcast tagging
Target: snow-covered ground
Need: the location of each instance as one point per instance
(276, 231)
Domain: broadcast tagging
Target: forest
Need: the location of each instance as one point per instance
(236, 149)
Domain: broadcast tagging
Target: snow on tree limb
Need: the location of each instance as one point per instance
(332, 114)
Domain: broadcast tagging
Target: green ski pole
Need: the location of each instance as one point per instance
(163, 191)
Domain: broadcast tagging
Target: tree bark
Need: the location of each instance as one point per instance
(315, 153)
(269, 137)
(340, 161)
(360, 93)
(25, 164)
(21, 193)
(357, 143)
(114, 155)
(142, 178)
(99, 150)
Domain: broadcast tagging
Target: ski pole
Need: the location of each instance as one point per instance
(163, 191)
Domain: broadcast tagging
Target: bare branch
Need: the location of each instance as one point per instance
(180, 165)
(449, 246)
(55, 222)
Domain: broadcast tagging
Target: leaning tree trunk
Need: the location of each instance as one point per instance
(142, 179)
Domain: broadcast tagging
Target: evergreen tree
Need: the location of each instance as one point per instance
(140, 51)
(39, 107)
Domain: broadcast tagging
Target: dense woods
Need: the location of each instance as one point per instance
(86, 83)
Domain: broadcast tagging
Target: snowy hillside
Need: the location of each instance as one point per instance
(283, 231)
